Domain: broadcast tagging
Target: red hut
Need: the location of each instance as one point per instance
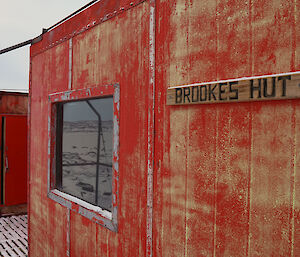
(167, 128)
(13, 158)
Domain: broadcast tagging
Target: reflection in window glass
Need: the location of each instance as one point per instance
(86, 133)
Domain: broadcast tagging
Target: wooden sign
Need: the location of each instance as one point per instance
(275, 87)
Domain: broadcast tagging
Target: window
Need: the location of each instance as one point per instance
(83, 158)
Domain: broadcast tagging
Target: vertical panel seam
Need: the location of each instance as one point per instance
(29, 154)
(70, 63)
(251, 38)
(293, 176)
(68, 232)
(217, 39)
(294, 17)
(187, 5)
(186, 183)
(217, 136)
(216, 188)
(249, 177)
(151, 104)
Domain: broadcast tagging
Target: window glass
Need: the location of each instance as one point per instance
(84, 154)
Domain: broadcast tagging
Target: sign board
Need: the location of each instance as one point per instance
(274, 87)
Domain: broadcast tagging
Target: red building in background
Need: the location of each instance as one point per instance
(117, 168)
(13, 125)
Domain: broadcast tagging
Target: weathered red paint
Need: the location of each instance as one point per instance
(13, 103)
(226, 178)
(226, 151)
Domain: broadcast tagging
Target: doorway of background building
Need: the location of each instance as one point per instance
(13, 160)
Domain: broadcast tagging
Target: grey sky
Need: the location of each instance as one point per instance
(80, 110)
(23, 20)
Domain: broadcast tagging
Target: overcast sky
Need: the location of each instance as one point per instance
(80, 110)
(23, 20)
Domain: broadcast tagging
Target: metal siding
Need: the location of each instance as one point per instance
(233, 38)
(121, 59)
(225, 182)
(200, 206)
(272, 159)
(82, 236)
(232, 178)
(272, 24)
(56, 238)
(296, 35)
(106, 53)
(37, 199)
(226, 176)
(47, 222)
(295, 199)
(85, 20)
(13, 103)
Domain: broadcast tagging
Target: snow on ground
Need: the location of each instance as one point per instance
(80, 143)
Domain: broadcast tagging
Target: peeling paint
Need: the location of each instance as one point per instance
(225, 176)
(88, 92)
(107, 16)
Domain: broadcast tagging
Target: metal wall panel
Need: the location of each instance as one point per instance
(113, 51)
(13, 103)
(226, 175)
(47, 220)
